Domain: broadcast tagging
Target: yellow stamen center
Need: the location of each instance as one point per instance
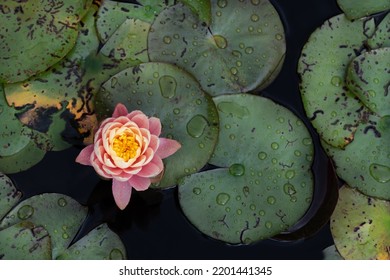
(125, 146)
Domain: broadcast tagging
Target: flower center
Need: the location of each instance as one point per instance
(125, 146)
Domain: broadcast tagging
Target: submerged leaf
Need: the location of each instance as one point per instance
(360, 226)
(265, 184)
(242, 49)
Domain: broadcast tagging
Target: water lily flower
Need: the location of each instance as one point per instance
(127, 149)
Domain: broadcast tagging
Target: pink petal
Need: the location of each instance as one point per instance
(134, 113)
(152, 169)
(141, 120)
(120, 110)
(121, 192)
(167, 147)
(155, 126)
(139, 183)
(85, 155)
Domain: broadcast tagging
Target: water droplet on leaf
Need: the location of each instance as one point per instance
(222, 198)
(196, 126)
(25, 212)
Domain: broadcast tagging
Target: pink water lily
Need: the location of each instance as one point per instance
(127, 149)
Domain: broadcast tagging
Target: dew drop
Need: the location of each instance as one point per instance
(297, 153)
(239, 211)
(381, 173)
(278, 37)
(252, 207)
(65, 235)
(227, 209)
(167, 39)
(196, 126)
(376, 80)
(290, 174)
(237, 54)
(62, 202)
(114, 82)
(237, 169)
(25, 212)
(238, 198)
(222, 3)
(289, 189)
(261, 212)
(212, 187)
(222, 198)
(249, 50)
(306, 141)
(271, 200)
(255, 2)
(176, 111)
(254, 18)
(196, 191)
(262, 155)
(201, 145)
(245, 191)
(336, 81)
(234, 70)
(268, 225)
(168, 86)
(220, 41)
(275, 146)
(116, 254)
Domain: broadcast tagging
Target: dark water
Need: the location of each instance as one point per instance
(153, 226)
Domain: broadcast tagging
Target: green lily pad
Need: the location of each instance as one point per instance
(360, 226)
(381, 38)
(113, 14)
(23, 241)
(358, 9)
(364, 163)
(265, 184)
(187, 114)
(36, 35)
(9, 195)
(242, 48)
(128, 41)
(368, 77)
(332, 109)
(100, 244)
(331, 253)
(60, 215)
